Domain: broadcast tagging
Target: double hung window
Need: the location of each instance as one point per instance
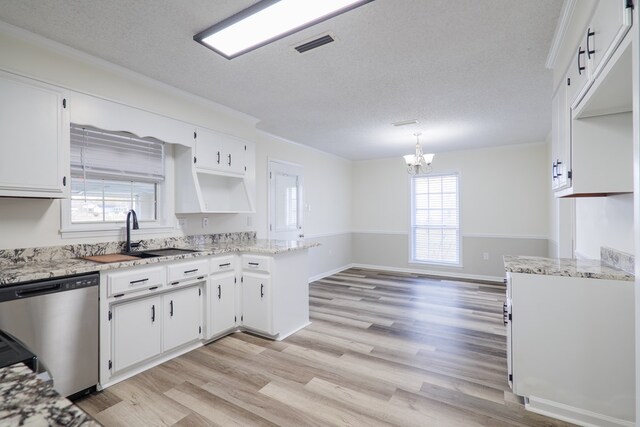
(435, 219)
(112, 172)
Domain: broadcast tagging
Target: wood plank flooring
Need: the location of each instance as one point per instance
(383, 349)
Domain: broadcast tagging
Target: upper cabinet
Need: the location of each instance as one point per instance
(217, 152)
(591, 109)
(34, 139)
(608, 26)
(216, 175)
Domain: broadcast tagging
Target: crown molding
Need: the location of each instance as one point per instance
(561, 29)
(298, 144)
(118, 70)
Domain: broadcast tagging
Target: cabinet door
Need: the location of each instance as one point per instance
(235, 151)
(34, 139)
(223, 302)
(208, 152)
(137, 331)
(610, 23)
(577, 75)
(182, 317)
(256, 302)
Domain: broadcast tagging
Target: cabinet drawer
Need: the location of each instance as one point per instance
(221, 264)
(187, 270)
(256, 263)
(133, 280)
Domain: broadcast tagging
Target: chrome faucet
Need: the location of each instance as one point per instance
(130, 214)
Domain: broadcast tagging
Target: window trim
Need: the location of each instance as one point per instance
(411, 260)
(162, 225)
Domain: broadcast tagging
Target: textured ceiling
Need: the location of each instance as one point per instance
(470, 71)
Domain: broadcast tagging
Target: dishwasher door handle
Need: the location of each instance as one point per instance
(42, 290)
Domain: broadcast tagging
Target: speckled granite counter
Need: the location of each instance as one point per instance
(593, 269)
(21, 265)
(27, 401)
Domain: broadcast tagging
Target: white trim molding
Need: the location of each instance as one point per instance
(331, 234)
(330, 273)
(391, 233)
(505, 236)
(561, 29)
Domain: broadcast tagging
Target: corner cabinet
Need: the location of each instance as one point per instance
(34, 139)
(215, 175)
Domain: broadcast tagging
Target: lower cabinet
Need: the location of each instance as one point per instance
(256, 302)
(222, 299)
(145, 328)
(182, 319)
(137, 331)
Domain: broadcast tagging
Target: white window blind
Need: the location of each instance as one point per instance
(101, 154)
(435, 219)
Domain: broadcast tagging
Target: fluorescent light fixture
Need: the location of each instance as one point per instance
(268, 21)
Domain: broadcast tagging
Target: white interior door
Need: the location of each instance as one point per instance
(285, 201)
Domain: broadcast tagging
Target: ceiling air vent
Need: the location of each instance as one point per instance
(314, 43)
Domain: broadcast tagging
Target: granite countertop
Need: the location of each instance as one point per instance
(35, 266)
(592, 269)
(26, 400)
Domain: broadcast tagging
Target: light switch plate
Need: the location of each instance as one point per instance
(205, 222)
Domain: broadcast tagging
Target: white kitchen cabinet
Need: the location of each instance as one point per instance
(610, 23)
(137, 332)
(571, 347)
(561, 139)
(182, 317)
(218, 152)
(256, 302)
(204, 186)
(608, 26)
(34, 139)
(222, 303)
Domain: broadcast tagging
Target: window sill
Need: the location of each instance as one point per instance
(436, 264)
(115, 232)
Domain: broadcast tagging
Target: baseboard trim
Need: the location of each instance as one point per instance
(435, 273)
(329, 273)
(573, 415)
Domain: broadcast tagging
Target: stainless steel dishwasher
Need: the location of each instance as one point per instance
(57, 319)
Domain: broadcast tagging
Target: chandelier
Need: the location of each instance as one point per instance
(418, 163)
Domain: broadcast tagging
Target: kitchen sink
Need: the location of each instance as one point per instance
(153, 253)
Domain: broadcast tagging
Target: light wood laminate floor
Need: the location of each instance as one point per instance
(383, 349)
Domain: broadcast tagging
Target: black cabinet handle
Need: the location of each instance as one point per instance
(227, 264)
(138, 281)
(505, 314)
(171, 308)
(254, 264)
(581, 68)
(229, 159)
(219, 292)
(589, 50)
(261, 290)
(554, 170)
(195, 270)
(153, 313)
(218, 157)
(558, 163)
(64, 181)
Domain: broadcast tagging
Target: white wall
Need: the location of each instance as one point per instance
(504, 207)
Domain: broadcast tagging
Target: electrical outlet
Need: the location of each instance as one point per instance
(205, 222)
(485, 256)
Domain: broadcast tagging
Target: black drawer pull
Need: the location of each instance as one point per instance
(153, 313)
(219, 292)
(261, 290)
(118, 295)
(171, 308)
(153, 288)
(218, 157)
(138, 281)
(227, 264)
(174, 283)
(200, 278)
(254, 264)
(195, 270)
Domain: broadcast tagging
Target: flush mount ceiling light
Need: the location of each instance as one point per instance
(418, 163)
(268, 21)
